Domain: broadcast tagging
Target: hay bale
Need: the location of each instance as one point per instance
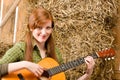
(81, 27)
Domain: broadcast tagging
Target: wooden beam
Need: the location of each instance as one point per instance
(10, 11)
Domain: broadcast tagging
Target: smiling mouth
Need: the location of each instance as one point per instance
(43, 37)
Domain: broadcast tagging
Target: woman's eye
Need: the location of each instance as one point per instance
(39, 28)
(49, 27)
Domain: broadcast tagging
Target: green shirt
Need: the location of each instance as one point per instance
(16, 53)
(3, 70)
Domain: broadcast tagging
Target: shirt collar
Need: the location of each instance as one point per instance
(34, 45)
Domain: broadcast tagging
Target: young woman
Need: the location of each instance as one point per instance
(38, 45)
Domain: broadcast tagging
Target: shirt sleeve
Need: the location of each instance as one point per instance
(12, 55)
(3, 70)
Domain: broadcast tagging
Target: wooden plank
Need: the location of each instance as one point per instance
(8, 29)
(9, 13)
(22, 20)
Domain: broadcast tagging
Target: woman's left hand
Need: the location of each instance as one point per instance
(90, 64)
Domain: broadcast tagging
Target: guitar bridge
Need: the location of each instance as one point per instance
(20, 76)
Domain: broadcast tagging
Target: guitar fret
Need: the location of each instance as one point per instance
(67, 66)
(63, 67)
(78, 61)
(75, 63)
(59, 68)
(50, 71)
(71, 64)
(94, 55)
(81, 60)
(54, 70)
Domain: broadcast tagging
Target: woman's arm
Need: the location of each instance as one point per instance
(90, 65)
(33, 67)
(14, 54)
(11, 67)
(3, 69)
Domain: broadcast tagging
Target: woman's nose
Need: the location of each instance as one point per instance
(43, 31)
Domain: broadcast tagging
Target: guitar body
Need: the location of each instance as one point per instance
(46, 63)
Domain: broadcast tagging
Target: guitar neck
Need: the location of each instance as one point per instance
(65, 66)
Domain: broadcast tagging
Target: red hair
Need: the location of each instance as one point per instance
(37, 18)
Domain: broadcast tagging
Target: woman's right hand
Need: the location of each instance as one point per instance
(36, 69)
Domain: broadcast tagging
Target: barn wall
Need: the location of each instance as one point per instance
(21, 20)
(7, 31)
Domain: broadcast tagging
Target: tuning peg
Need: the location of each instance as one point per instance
(112, 57)
(105, 59)
(109, 58)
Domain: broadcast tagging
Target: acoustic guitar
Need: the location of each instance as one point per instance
(54, 71)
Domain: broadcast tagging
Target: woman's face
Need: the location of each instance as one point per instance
(42, 33)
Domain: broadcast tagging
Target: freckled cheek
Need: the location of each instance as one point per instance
(50, 32)
(35, 34)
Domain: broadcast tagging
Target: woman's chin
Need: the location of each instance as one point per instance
(41, 41)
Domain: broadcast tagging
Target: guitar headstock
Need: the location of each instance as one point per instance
(107, 53)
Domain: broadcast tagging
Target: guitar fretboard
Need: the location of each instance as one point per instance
(65, 66)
